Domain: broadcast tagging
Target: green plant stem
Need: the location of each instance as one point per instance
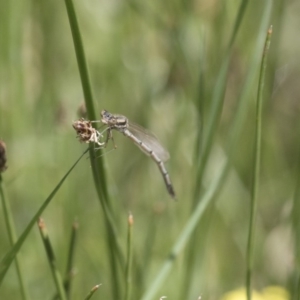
(257, 159)
(296, 228)
(208, 136)
(217, 105)
(296, 225)
(11, 254)
(12, 239)
(129, 259)
(91, 293)
(115, 250)
(52, 261)
(238, 21)
(98, 169)
(70, 262)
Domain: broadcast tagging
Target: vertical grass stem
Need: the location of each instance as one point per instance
(257, 159)
(115, 251)
(52, 261)
(12, 238)
(128, 275)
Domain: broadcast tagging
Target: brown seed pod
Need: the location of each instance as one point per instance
(86, 132)
(3, 165)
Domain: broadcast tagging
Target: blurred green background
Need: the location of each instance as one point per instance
(158, 63)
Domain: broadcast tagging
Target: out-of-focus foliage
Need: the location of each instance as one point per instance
(157, 63)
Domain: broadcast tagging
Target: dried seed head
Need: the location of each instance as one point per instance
(3, 166)
(86, 132)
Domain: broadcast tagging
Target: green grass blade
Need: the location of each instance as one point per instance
(12, 238)
(80, 55)
(242, 108)
(52, 261)
(296, 228)
(217, 105)
(257, 159)
(11, 254)
(128, 275)
(97, 164)
(70, 259)
(238, 21)
(115, 249)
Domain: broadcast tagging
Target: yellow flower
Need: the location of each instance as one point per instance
(269, 293)
(275, 293)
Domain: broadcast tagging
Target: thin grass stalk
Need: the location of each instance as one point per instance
(70, 260)
(52, 261)
(11, 254)
(98, 170)
(217, 105)
(208, 135)
(92, 292)
(113, 233)
(82, 65)
(296, 228)
(199, 102)
(241, 113)
(8, 219)
(217, 100)
(115, 252)
(257, 159)
(115, 244)
(128, 274)
(278, 22)
(237, 24)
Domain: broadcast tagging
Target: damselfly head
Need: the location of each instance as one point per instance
(106, 117)
(113, 121)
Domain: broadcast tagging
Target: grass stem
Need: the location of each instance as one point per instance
(52, 261)
(128, 275)
(13, 238)
(257, 159)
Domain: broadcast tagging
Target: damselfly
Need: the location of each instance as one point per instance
(144, 139)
